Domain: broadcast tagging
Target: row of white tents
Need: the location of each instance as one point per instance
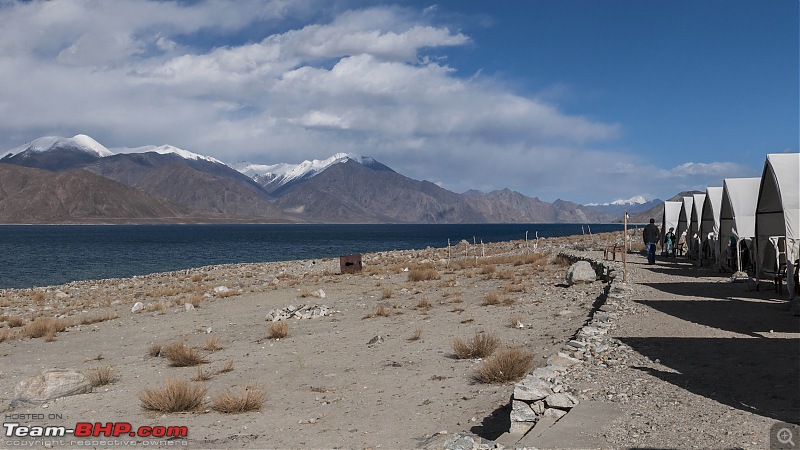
(759, 217)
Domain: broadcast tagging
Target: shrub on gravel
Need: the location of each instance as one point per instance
(278, 330)
(246, 400)
(481, 345)
(506, 365)
(181, 355)
(177, 395)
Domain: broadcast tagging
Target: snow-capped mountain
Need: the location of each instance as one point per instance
(57, 153)
(168, 150)
(280, 176)
(632, 205)
(80, 142)
(636, 200)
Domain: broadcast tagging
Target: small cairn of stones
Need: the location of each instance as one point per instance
(543, 393)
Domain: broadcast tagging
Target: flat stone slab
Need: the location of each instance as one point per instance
(511, 438)
(575, 430)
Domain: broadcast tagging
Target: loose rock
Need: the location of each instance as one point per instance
(50, 385)
(581, 272)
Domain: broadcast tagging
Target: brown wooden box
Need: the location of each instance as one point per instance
(350, 263)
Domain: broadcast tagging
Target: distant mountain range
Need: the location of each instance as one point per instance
(633, 206)
(657, 211)
(78, 180)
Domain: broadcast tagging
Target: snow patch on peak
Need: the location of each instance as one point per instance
(48, 143)
(283, 173)
(89, 143)
(170, 150)
(637, 200)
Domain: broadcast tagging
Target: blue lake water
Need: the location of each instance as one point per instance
(43, 255)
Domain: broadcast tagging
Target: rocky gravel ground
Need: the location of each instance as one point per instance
(693, 359)
(374, 368)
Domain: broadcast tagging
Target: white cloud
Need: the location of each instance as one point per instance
(705, 169)
(132, 73)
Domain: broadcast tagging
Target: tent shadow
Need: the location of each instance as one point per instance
(750, 316)
(722, 289)
(761, 376)
(686, 269)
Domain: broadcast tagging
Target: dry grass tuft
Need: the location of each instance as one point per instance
(181, 355)
(481, 345)
(515, 287)
(195, 300)
(515, 321)
(383, 311)
(228, 293)
(88, 320)
(249, 399)
(202, 375)
(101, 376)
(488, 270)
(423, 274)
(506, 275)
(493, 298)
(533, 258)
(228, 367)
(278, 330)
(150, 307)
(197, 277)
(424, 303)
(154, 350)
(50, 335)
(416, 335)
(177, 395)
(212, 344)
(46, 327)
(304, 292)
(507, 365)
(387, 293)
(15, 321)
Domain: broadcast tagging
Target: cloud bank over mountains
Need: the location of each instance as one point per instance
(279, 81)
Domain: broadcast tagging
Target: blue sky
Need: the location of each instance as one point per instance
(582, 100)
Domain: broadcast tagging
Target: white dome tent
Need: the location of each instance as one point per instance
(709, 221)
(697, 214)
(685, 221)
(737, 216)
(778, 215)
(672, 211)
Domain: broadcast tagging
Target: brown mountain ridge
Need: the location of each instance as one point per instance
(62, 185)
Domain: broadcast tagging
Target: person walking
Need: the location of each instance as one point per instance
(669, 242)
(650, 235)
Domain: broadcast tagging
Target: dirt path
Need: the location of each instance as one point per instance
(704, 363)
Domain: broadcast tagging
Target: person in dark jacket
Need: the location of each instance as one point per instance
(650, 235)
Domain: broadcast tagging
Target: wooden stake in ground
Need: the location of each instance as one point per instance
(625, 249)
